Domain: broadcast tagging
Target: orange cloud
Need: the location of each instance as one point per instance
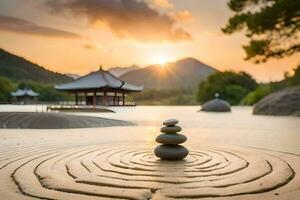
(126, 18)
(163, 3)
(89, 46)
(183, 15)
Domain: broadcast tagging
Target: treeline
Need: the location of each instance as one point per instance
(240, 88)
(47, 91)
(231, 86)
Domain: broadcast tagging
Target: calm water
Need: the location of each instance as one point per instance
(239, 127)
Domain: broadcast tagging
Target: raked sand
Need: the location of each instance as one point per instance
(118, 163)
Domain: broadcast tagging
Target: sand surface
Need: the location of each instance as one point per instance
(48, 120)
(118, 163)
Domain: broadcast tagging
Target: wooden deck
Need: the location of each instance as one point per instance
(77, 108)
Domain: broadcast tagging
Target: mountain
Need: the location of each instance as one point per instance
(119, 71)
(73, 76)
(18, 68)
(185, 73)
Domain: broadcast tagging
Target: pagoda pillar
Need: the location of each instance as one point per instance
(94, 100)
(105, 98)
(123, 95)
(115, 99)
(76, 98)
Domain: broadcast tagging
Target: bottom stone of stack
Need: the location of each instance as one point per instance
(171, 152)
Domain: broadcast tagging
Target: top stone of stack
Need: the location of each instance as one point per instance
(170, 122)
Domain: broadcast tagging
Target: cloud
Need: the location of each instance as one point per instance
(163, 3)
(183, 15)
(133, 19)
(89, 46)
(21, 26)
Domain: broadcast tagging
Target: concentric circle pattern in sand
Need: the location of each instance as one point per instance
(131, 171)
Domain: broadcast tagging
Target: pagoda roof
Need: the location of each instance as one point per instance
(96, 80)
(24, 92)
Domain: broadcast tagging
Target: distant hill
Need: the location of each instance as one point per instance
(18, 68)
(119, 71)
(73, 76)
(185, 73)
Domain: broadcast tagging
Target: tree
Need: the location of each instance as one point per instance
(6, 87)
(231, 86)
(295, 79)
(46, 92)
(271, 25)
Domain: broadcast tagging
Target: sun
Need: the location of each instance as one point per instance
(161, 60)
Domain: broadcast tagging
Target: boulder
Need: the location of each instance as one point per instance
(282, 103)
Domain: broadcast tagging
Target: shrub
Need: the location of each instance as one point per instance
(256, 95)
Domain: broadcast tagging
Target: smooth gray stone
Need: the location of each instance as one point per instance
(170, 129)
(216, 105)
(171, 138)
(170, 122)
(171, 152)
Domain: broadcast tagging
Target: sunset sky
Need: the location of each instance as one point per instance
(76, 36)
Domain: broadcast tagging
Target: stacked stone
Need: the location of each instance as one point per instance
(170, 140)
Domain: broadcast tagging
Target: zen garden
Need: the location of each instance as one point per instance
(150, 99)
